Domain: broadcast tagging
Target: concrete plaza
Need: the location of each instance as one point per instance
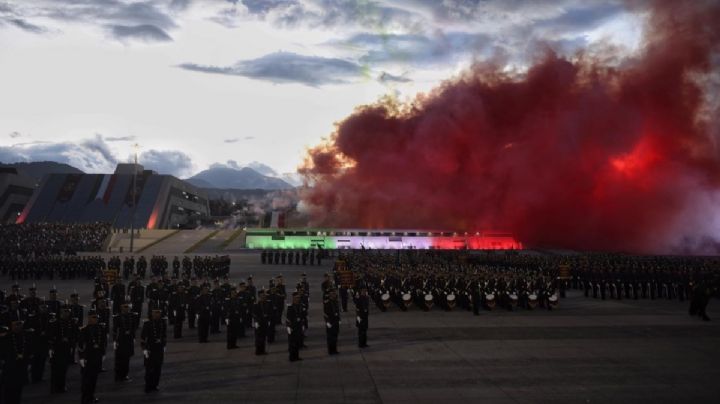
(587, 351)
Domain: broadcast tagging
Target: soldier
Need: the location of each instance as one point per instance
(218, 296)
(77, 315)
(261, 320)
(178, 306)
(117, 294)
(362, 312)
(263, 257)
(294, 325)
(91, 347)
(332, 321)
(123, 335)
(38, 324)
(15, 353)
(153, 340)
(53, 303)
(202, 308)
(137, 296)
(233, 318)
(176, 267)
(193, 293)
(273, 307)
(63, 337)
(326, 285)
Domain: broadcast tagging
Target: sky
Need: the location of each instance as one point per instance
(195, 83)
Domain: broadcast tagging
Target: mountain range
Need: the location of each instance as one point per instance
(218, 176)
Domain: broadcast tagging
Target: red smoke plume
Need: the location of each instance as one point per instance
(576, 153)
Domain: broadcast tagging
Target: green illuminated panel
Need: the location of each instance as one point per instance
(290, 242)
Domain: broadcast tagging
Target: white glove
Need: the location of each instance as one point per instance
(328, 325)
(197, 317)
(83, 362)
(358, 319)
(175, 313)
(255, 325)
(115, 345)
(51, 353)
(227, 321)
(289, 330)
(146, 353)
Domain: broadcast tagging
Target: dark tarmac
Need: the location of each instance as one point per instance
(587, 351)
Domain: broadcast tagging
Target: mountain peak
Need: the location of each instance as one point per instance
(225, 177)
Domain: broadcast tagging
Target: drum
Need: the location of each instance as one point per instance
(450, 300)
(532, 301)
(385, 299)
(553, 300)
(407, 299)
(513, 299)
(428, 300)
(490, 301)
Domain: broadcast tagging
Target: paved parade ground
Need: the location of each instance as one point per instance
(587, 351)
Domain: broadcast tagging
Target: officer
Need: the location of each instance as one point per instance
(362, 312)
(261, 321)
(63, 336)
(123, 335)
(193, 293)
(77, 315)
(91, 348)
(117, 294)
(16, 354)
(294, 326)
(152, 340)
(233, 318)
(38, 323)
(331, 312)
(203, 304)
(178, 306)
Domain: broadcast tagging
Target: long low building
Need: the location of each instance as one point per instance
(385, 239)
(162, 201)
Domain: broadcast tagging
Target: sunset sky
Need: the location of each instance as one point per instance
(202, 82)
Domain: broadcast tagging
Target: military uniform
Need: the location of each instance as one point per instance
(91, 348)
(153, 340)
(124, 327)
(331, 312)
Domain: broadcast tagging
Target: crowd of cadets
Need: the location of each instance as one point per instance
(73, 266)
(444, 279)
(604, 276)
(35, 331)
(292, 257)
(448, 280)
(52, 238)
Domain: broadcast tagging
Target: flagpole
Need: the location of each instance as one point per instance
(134, 190)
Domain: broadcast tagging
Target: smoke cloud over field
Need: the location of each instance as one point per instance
(588, 152)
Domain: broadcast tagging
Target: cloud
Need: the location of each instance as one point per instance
(318, 13)
(14, 135)
(386, 77)
(414, 49)
(263, 169)
(237, 139)
(286, 67)
(90, 155)
(173, 162)
(146, 33)
(120, 138)
(27, 26)
(144, 20)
